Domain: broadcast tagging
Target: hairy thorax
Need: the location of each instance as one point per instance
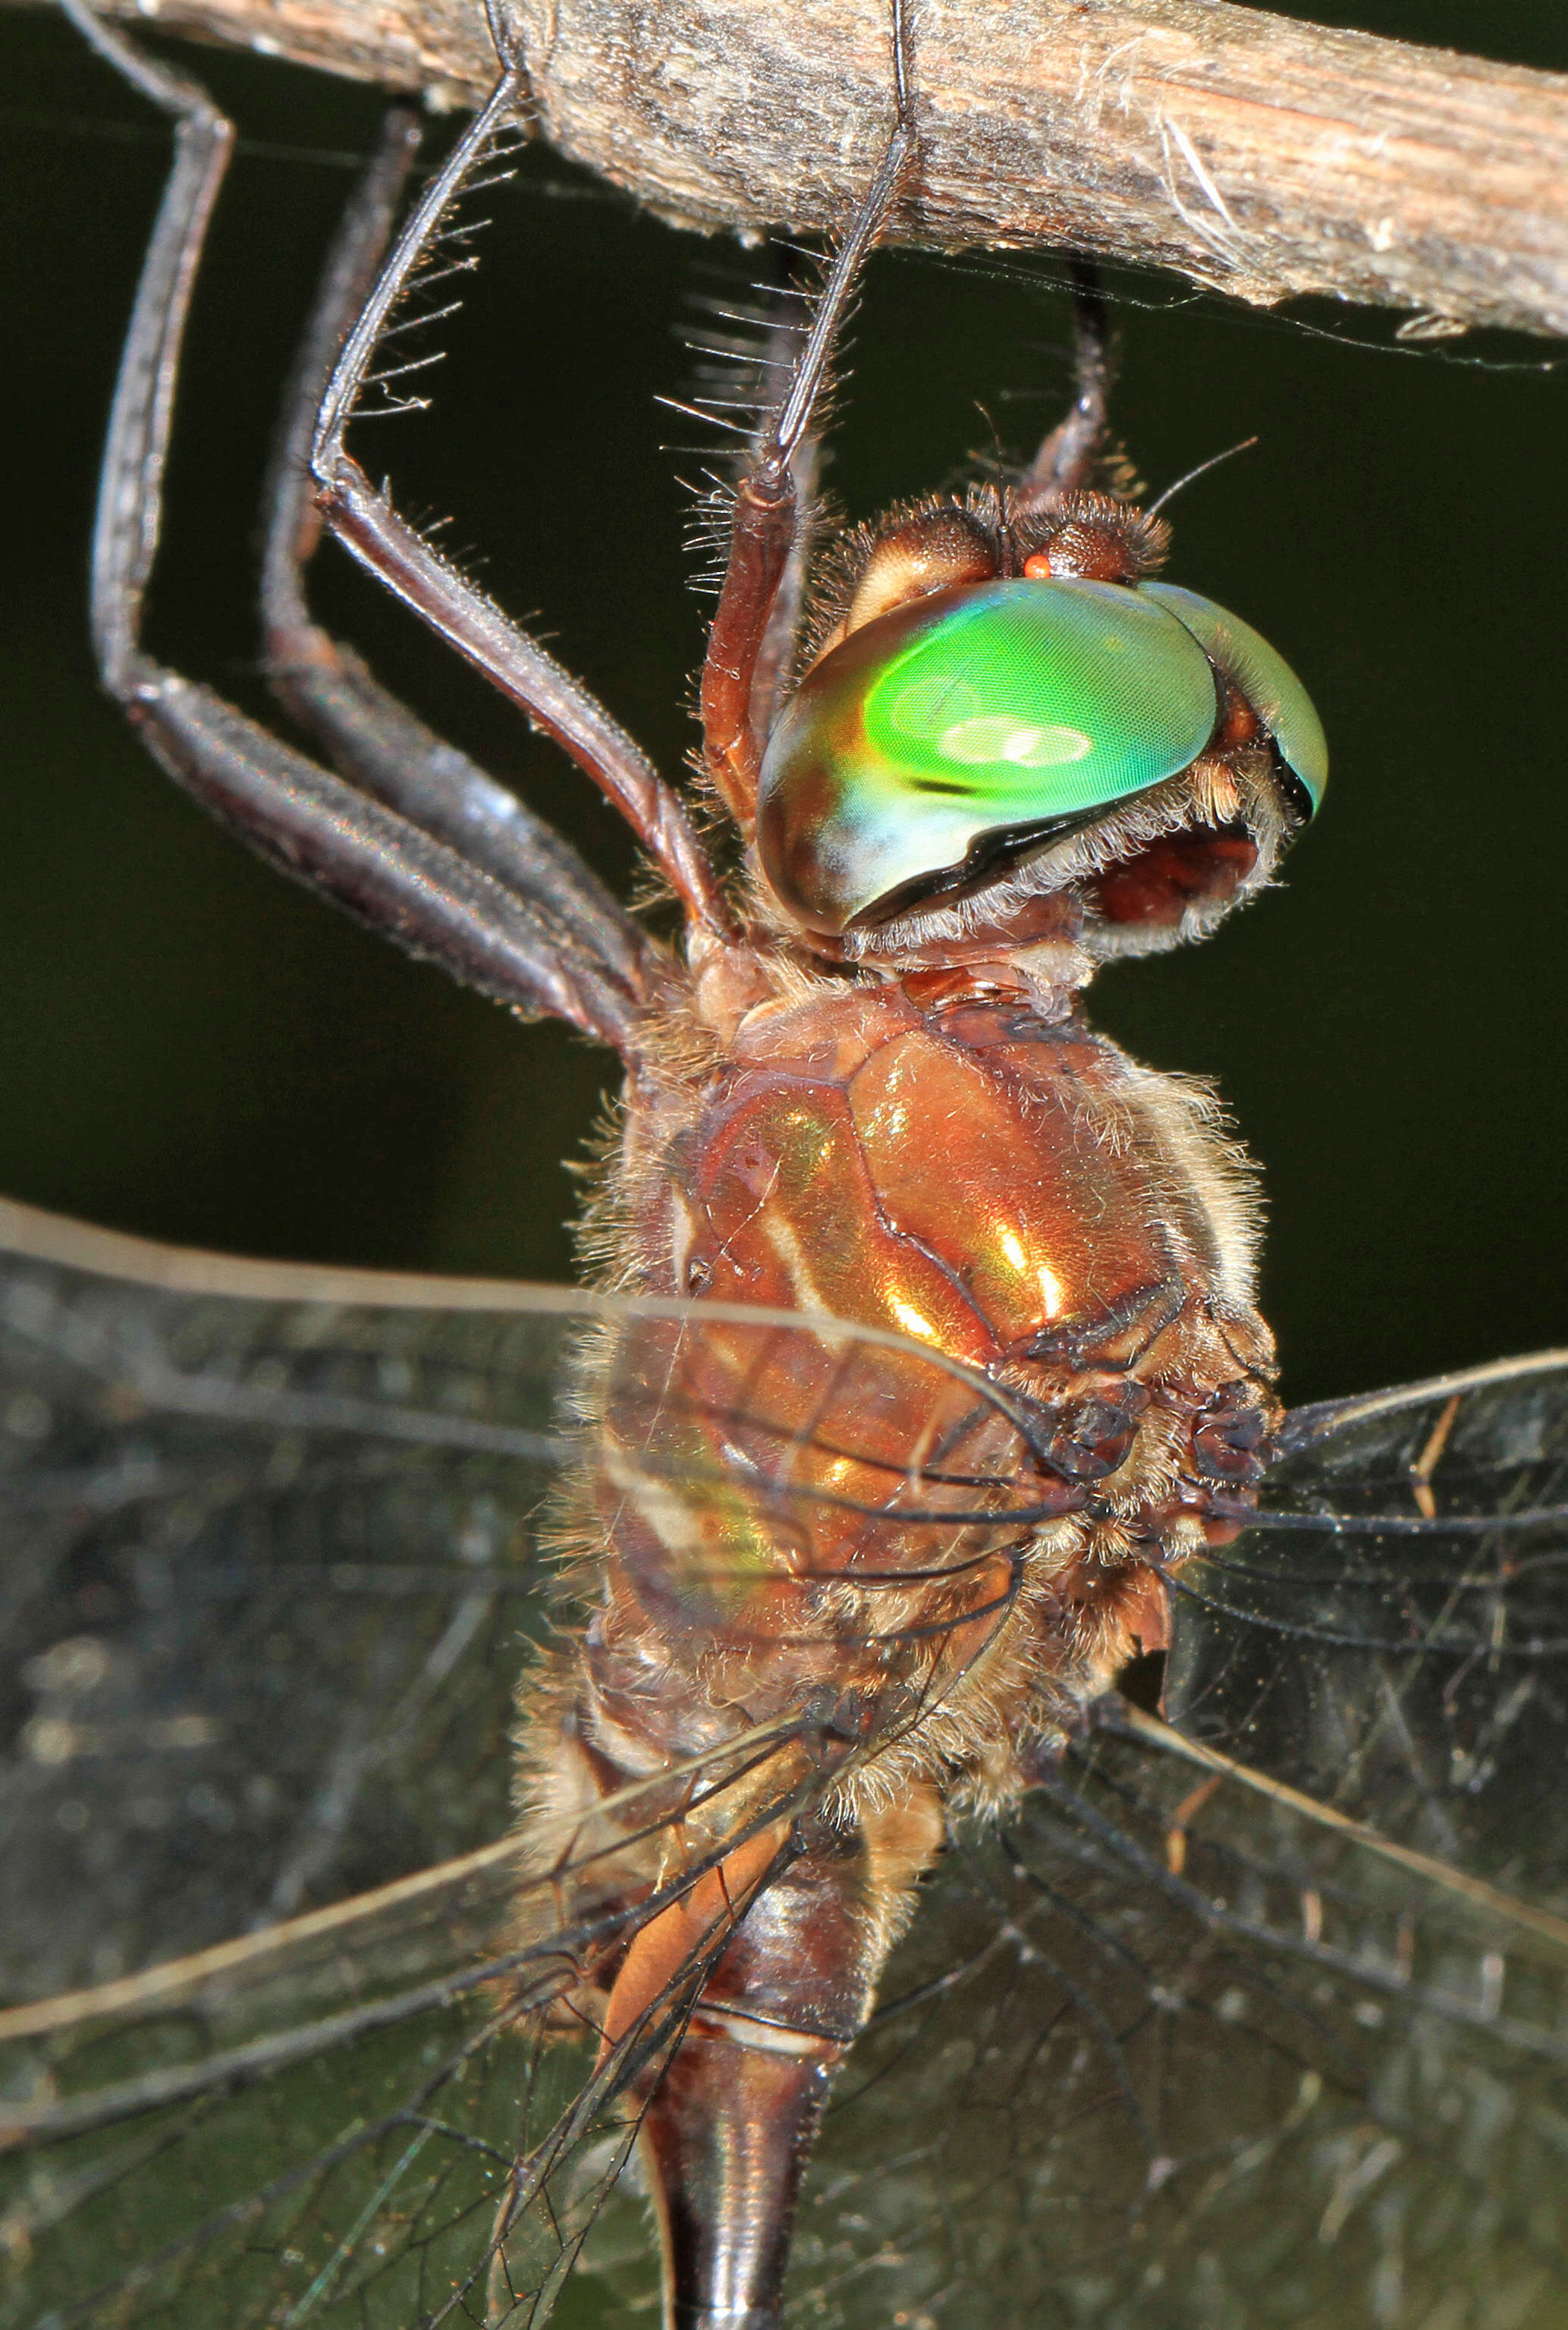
(957, 1163)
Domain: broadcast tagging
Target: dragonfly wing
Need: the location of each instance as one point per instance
(396, 2108)
(1262, 2019)
(1393, 1635)
(267, 1559)
(272, 1567)
(1182, 2039)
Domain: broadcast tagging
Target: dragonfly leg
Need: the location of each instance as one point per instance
(767, 509)
(785, 331)
(1066, 461)
(381, 867)
(369, 525)
(373, 739)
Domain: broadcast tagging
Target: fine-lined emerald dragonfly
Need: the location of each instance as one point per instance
(1100, 1899)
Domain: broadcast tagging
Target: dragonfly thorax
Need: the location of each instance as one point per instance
(952, 1168)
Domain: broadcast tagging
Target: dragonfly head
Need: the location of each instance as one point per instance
(1005, 708)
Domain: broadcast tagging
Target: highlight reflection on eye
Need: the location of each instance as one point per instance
(978, 742)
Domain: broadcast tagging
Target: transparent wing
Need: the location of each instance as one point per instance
(296, 2030)
(1262, 2018)
(1257, 2019)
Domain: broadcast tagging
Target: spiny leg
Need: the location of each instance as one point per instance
(369, 525)
(1066, 461)
(372, 738)
(383, 869)
(771, 675)
(768, 501)
(782, 325)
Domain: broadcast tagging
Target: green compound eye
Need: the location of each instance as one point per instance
(1263, 676)
(967, 715)
(980, 716)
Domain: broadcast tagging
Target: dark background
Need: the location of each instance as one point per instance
(192, 1048)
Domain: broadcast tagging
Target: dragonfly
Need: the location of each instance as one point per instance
(1049, 2032)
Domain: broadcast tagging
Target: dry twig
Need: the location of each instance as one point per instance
(1263, 156)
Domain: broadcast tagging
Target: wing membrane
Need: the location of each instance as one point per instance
(273, 1565)
(1393, 1637)
(1185, 2041)
(1266, 2088)
(266, 1565)
(1259, 2018)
